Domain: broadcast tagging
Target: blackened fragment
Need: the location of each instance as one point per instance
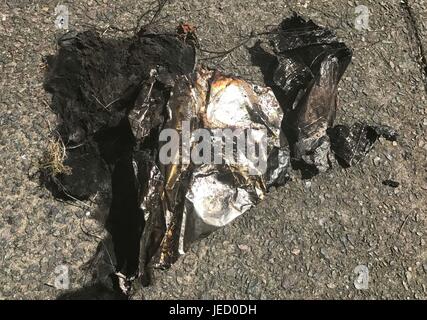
(277, 167)
(351, 144)
(310, 62)
(114, 97)
(94, 83)
(96, 291)
(296, 32)
(391, 183)
(386, 132)
(90, 166)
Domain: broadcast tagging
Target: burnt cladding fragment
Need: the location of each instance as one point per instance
(351, 144)
(304, 64)
(307, 62)
(114, 96)
(314, 56)
(94, 83)
(185, 202)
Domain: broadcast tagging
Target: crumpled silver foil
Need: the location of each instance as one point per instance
(184, 201)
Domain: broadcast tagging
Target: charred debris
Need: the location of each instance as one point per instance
(114, 97)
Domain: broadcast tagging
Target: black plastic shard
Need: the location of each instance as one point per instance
(391, 183)
(121, 102)
(351, 144)
(309, 63)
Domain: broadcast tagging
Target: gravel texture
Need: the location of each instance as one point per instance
(306, 238)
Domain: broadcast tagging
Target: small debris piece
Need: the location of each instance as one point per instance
(351, 144)
(391, 183)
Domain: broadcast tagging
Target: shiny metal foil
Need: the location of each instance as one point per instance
(184, 201)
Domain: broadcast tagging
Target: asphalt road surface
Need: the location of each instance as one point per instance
(306, 239)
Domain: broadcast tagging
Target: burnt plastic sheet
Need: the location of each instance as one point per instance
(95, 83)
(115, 99)
(308, 63)
(303, 63)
